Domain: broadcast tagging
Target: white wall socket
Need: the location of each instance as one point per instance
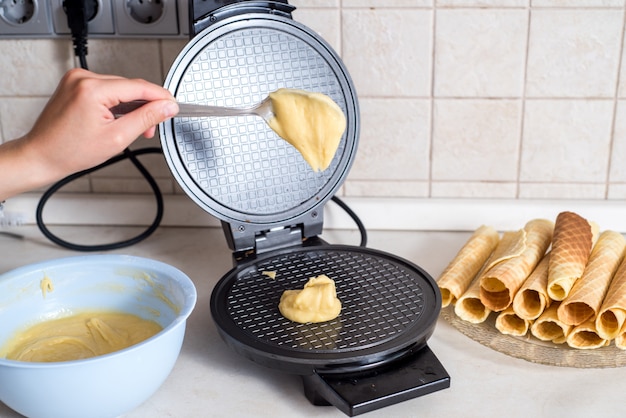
(113, 19)
(102, 22)
(137, 16)
(25, 17)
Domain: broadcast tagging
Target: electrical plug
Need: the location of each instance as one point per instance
(79, 13)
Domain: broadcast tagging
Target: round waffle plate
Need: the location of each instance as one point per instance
(237, 168)
(388, 305)
(536, 351)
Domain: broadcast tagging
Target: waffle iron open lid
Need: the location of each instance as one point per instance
(237, 168)
(270, 203)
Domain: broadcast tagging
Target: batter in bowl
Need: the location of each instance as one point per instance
(78, 337)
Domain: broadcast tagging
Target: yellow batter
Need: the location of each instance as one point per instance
(46, 286)
(312, 122)
(78, 337)
(316, 302)
(270, 274)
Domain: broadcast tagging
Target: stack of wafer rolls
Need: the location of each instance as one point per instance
(560, 282)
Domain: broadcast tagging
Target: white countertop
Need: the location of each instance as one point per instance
(211, 380)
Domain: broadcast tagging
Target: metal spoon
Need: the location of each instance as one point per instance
(262, 109)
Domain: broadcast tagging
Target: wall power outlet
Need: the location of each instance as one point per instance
(112, 19)
(25, 17)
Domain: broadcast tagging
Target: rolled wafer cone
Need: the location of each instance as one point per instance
(500, 283)
(508, 322)
(571, 247)
(458, 275)
(612, 314)
(469, 307)
(532, 298)
(586, 296)
(585, 336)
(548, 327)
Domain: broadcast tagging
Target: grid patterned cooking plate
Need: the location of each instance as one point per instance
(237, 168)
(388, 304)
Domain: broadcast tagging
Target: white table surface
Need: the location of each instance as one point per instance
(211, 380)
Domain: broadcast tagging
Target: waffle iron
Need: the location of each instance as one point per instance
(270, 204)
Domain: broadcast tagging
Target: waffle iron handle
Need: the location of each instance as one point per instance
(416, 374)
(204, 13)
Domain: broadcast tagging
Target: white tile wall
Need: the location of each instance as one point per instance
(475, 140)
(393, 151)
(480, 52)
(566, 141)
(459, 98)
(574, 53)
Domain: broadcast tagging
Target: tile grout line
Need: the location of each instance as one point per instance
(615, 108)
(431, 130)
(520, 145)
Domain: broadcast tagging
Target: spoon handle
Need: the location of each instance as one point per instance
(185, 109)
(126, 107)
(188, 109)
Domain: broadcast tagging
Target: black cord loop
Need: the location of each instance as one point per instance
(128, 154)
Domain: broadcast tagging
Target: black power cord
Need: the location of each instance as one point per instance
(355, 218)
(132, 155)
(79, 13)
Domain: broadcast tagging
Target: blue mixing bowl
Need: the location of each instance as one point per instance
(103, 386)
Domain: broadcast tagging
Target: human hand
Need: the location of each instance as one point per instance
(76, 129)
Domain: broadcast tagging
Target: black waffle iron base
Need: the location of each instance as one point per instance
(271, 205)
(372, 355)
